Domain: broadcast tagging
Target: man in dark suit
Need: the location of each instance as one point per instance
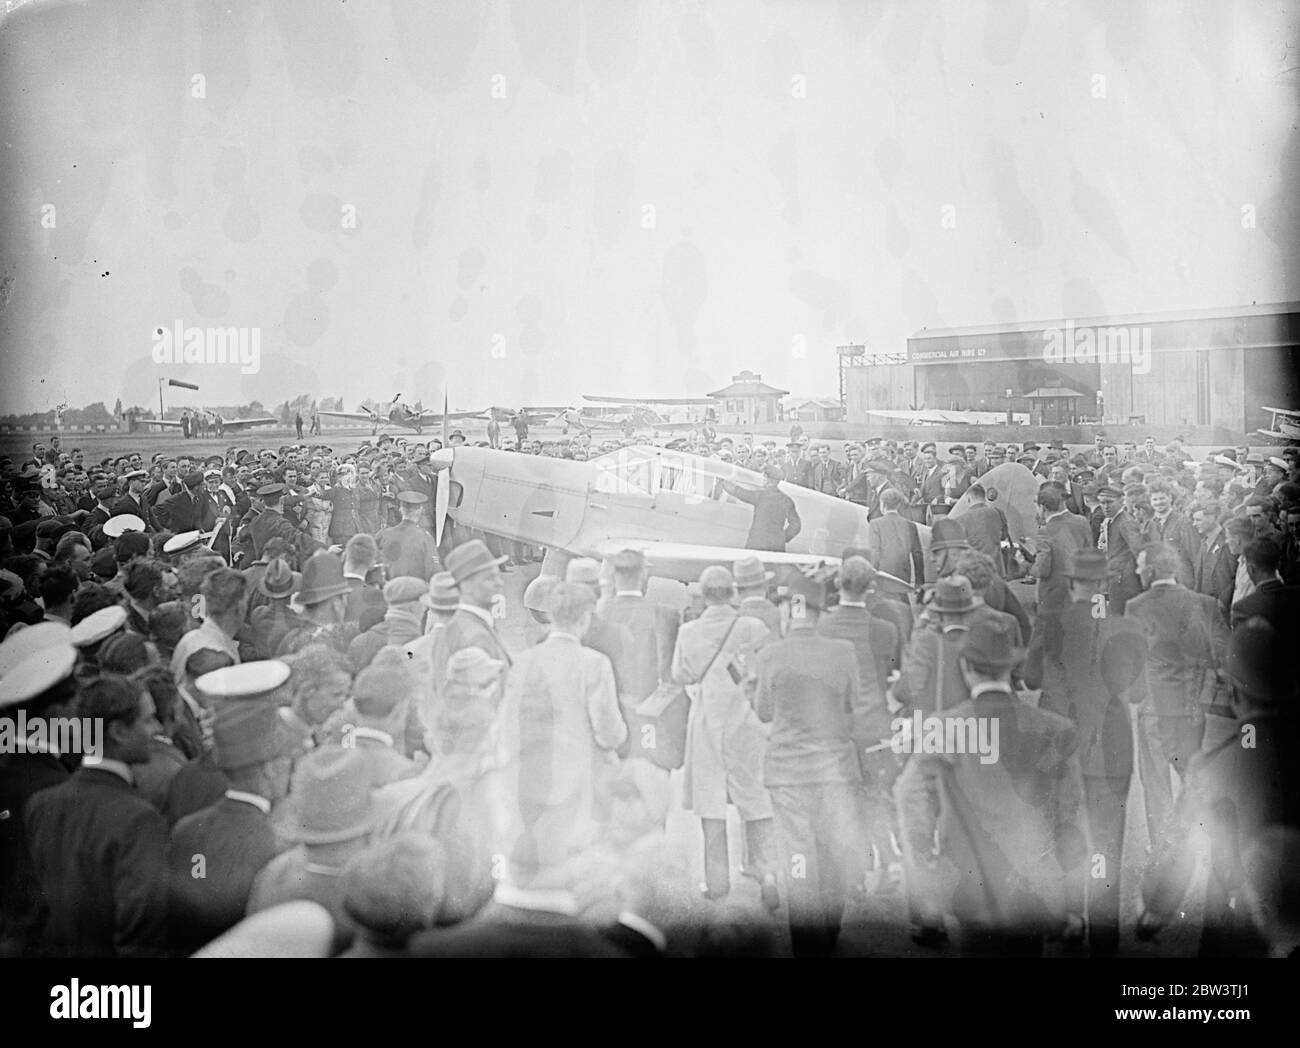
(827, 474)
(796, 468)
(407, 548)
(876, 643)
(1089, 670)
(1186, 642)
(271, 522)
(894, 541)
(1214, 569)
(233, 838)
(1120, 537)
(134, 501)
(929, 483)
(1272, 600)
(776, 520)
(37, 681)
(98, 847)
(1009, 823)
(1062, 535)
(808, 689)
(985, 527)
(191, 510)
(878, 473)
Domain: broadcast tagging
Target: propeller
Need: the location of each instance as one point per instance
(441, 460)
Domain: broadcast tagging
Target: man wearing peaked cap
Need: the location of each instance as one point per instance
(235, 836)
(1234, 792)
(1006, 810)
(407, 547)
(36, 680)
(185, 542)
(272, 523)
(120, 523)
(97, 627)
(1091, 669)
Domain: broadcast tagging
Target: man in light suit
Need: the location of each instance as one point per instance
(559, 725)
(807, 686)
(725, 739)
(929, 483)
(1008, 812)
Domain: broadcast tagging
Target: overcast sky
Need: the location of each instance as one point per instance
(527, 201)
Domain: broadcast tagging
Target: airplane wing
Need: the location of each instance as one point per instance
(684, 561)
(158, 422)
(672, 401)
(360, 416)
(429, 415)
(244, 423)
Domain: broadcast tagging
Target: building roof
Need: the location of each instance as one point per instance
(1049, 392)
(818, 402)
(748, 384)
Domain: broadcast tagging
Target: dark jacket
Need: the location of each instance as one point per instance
(776, 521)
(99, 850)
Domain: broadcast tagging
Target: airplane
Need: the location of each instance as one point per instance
(641, 413)
(1284, 425)
(669, 505)
(398, 414)
(233, 424)
(949, 418)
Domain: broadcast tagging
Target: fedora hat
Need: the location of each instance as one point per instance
(470, 558)
(330, 799)
(946, 533)
(991, 644)
(811, 593)
(748, 571)
(278, 580)
(537, 594)
(1089, 565)
(322, 578)
(953, 595)
(442, 595)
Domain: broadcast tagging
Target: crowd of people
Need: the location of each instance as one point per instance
(296, 694)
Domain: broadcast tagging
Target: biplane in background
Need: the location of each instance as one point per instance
(642, 413)
(1284, 424)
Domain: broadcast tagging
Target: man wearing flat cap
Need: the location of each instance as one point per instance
(215, 853)
(407, 548)
(1090, 669)
(1003, 798)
